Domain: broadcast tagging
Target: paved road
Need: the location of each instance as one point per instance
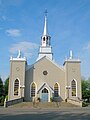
(45, 114)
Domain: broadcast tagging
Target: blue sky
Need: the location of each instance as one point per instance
(21, 27)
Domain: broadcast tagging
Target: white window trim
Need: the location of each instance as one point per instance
(18, 89)
(58, 88)
(71, 87)
(35, 90)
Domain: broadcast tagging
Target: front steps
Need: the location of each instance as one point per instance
(42, 105)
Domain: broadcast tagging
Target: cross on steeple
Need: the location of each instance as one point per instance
(46, 12)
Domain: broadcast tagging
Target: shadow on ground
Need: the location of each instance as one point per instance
(46, 116)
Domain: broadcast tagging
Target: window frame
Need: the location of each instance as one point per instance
(18, 87)
(58, 89)
(31, 89)
(75, 88)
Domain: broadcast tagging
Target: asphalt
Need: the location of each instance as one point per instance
(75, 113)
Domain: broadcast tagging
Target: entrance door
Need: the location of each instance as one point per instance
(44, 95)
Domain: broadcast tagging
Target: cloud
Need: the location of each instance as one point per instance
(85, 60)
(4, 77)
(87, 47)
(13, 32)
(11, 2)
(3, 18)
(28, 48)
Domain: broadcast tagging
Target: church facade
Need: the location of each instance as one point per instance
(44, 79)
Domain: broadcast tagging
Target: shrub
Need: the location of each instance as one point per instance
(51, 99)
(1, 100)
(84, 104)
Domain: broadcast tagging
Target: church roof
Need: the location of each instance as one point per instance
(45, 57)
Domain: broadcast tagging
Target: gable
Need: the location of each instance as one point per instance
(45, 71)
(46, 62)
(43, 86)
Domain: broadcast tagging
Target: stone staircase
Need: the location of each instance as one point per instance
(42, 105)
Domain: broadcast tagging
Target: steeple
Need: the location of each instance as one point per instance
(45, 37)
(45, 25)
(45, 47)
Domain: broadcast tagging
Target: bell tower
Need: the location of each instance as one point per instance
(45, 47)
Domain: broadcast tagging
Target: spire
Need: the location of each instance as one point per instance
(45, 37)
(45, 25)
(45, 47)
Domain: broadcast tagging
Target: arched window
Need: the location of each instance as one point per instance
(43, 38)
(16, 87)
(73, 86)
(33, 89)
(56, 89)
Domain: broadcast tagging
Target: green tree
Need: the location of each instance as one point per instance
(1, 92)
(86, 88)
(1, 87)
(88, 83)
(6, 86)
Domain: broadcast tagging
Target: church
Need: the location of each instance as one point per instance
(45, 79)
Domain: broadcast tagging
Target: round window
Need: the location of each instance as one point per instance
(45, 72)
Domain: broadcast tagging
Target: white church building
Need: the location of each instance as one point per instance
(45, 79)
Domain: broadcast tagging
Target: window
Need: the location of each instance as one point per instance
(33, 90)
(44, 90)
(47, 38)
(43, 38)
(16, 87)
(56, 90)
(45, 72)
(73, 85)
